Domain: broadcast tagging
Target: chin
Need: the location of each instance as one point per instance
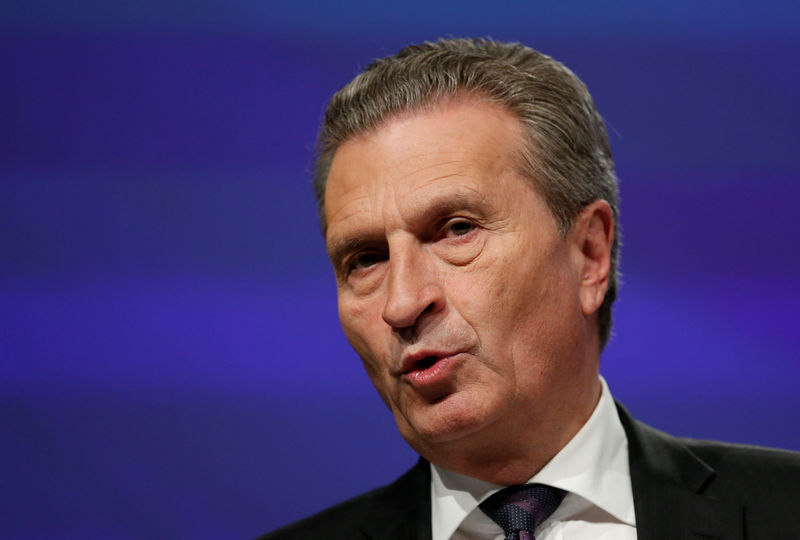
(455, 417)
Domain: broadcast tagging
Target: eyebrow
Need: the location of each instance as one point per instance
(443, 204)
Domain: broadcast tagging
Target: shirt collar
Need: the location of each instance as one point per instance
(593, 465)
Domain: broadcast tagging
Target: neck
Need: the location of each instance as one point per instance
(506, 457)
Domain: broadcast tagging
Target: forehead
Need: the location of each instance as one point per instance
(461, 143)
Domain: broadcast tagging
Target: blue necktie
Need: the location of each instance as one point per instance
(520, 509)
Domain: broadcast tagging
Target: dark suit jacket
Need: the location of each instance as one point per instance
(682, 489)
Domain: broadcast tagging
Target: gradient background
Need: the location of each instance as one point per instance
(171, 365)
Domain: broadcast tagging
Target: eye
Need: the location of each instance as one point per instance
(458, 227)
(365, 260)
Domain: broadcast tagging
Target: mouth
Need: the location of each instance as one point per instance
(427, 369)
(423, 364)
(420, 361)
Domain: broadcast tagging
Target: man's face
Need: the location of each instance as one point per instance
(455, 286)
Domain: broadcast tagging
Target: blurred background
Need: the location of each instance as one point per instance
(171, 364)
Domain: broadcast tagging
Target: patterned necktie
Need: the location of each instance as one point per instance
(520, 509)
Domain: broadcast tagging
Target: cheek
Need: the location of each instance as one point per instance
(517, 309)
(483, 298)
(365, 335)
(353, 313)
(364, 330)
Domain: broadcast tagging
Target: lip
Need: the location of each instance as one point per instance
(428, 367)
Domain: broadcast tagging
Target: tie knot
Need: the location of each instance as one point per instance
(522, 508)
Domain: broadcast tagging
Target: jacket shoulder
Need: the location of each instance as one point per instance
(752, 466)
(738, 471)
(400, 509)
(340, 521)
(723, 453)
(763, 482)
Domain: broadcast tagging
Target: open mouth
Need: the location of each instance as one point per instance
(430, 368)
(432, 371)
(425, 363)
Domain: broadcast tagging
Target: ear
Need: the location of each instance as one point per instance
(593, 232)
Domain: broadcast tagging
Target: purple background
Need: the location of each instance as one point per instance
(170, 361)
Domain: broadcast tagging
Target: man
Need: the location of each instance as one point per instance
(469, 206)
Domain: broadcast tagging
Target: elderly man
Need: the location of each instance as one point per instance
(469, 206)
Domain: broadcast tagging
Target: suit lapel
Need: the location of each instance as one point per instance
(668, 480)
(403, 510)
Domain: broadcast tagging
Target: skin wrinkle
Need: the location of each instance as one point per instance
(500, 168)
(446, 204)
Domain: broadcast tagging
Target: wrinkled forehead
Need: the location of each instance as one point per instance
(463, 136)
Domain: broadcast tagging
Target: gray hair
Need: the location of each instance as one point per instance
(567, 155)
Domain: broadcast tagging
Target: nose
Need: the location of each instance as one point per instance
(413, 288)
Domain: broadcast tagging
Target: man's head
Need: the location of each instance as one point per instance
(469, 285)
(565, 151)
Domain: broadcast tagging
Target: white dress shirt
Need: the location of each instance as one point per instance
(592, 468)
